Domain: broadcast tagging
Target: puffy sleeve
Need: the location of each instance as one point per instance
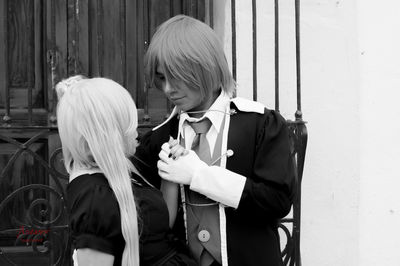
(95, 219)
(270, 189)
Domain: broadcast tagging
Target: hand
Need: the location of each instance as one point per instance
(180, 170)
(176, 150)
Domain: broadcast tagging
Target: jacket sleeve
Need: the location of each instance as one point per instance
(146, 156)
(269, 191)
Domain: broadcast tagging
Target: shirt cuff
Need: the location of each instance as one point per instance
(94, 242)
(219, 184)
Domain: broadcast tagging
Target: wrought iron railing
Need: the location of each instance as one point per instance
(290, 226)
(34, 216)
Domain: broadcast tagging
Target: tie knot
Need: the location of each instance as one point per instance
(202, 126)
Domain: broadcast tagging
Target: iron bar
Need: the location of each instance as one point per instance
(167, 104)
(100, 33)
(298, 134)
(76, 36)
(145, 10)
(171, 9)
(30, 114)
(276, 29)
(7, 116)
(52, 111)
(211, 12)
(254, 12)
(298, 114)
(29, 77)
(122, 15)
(52, 60)
(233, 25)
(197, 5)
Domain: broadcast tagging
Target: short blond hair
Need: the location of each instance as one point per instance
(188, 51)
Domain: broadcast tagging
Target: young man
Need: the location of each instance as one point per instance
(237, 179)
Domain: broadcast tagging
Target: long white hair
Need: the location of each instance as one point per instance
(97, 122)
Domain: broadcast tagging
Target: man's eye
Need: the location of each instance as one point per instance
(160, 77)
(159, 81)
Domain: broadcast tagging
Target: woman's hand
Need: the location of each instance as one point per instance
(173, 149)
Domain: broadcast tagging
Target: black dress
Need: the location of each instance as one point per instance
(95, 222)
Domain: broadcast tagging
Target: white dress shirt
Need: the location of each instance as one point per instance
(215, 114)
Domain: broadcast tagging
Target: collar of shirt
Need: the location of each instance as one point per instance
(78, 172)
(215, 114)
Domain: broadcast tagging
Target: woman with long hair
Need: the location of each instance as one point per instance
(111, 204)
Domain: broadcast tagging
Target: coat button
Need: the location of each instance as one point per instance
(204, 236)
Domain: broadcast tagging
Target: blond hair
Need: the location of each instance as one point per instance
(189, 51)
(97, 122)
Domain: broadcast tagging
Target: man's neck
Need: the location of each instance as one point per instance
(208, 103)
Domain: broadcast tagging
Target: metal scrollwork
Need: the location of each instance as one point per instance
(290, 226)
(35, 211)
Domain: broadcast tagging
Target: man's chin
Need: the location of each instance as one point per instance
(182, 108)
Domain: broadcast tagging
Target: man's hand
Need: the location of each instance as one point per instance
(180, 170)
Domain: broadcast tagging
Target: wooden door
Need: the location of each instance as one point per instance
(42, 42)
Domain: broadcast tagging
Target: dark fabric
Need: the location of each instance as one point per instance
(94, 216)
(268, 191)
(262, 154)
(146, 155)
(95, 222)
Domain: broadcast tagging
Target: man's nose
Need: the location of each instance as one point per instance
(167, 88)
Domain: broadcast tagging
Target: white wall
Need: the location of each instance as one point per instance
(331, 186)
(350, 77)
(379, 39)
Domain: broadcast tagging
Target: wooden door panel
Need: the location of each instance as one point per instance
(21, 46)
(23, 66)
(112, 32)
(57, 40)
(103, 41)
